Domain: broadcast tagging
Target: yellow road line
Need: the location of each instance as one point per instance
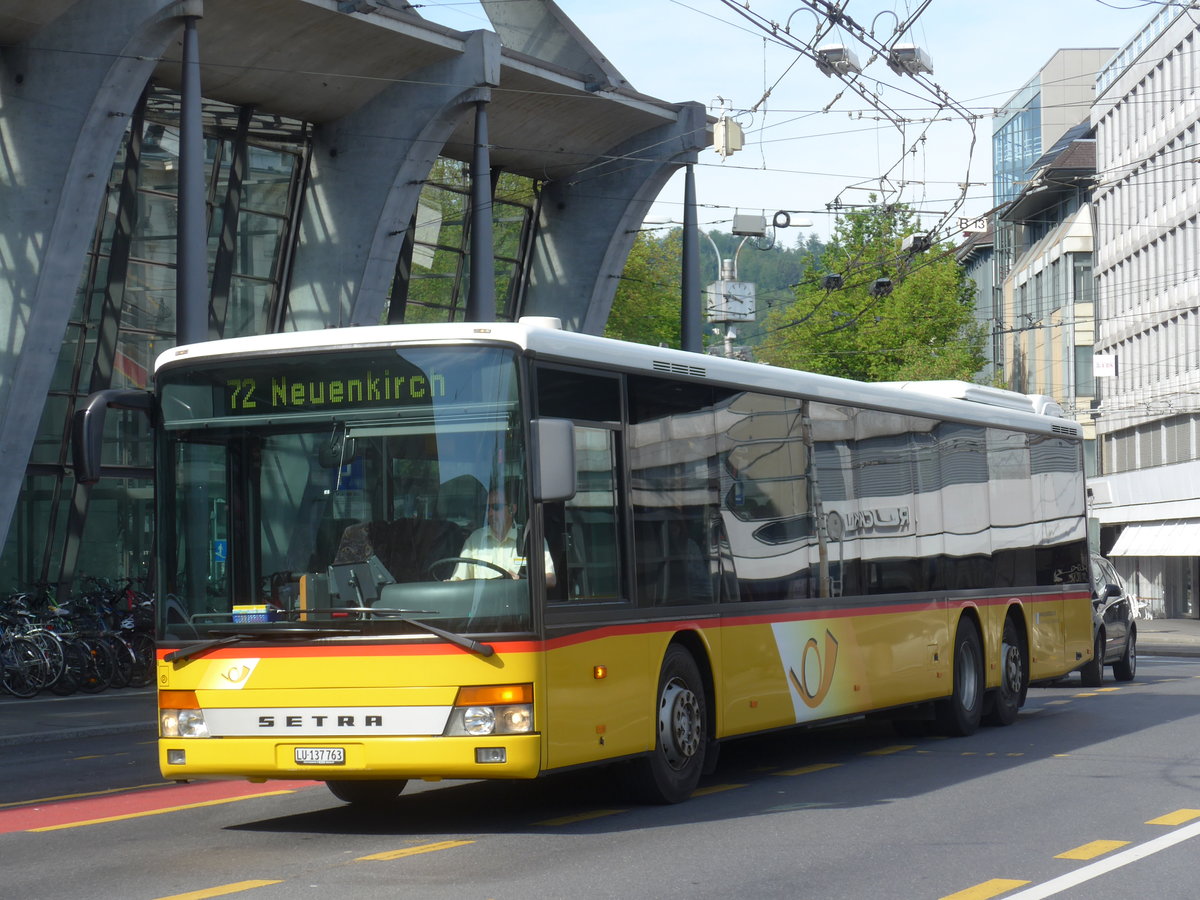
(884, 751)
(158, 812)
(413, 851)
(1176, 818)
(715, 789)
(993, 888)
(808, 770)
(40, 800)
(221, 891)
(1092, 850)
(581, 817)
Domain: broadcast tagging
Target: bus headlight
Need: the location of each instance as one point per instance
(485, 710)
(480, 721)
(182, 723)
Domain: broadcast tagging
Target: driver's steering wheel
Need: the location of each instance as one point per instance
(469, 561)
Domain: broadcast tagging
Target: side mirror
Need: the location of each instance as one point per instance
(553, 459)
(88, 427)
(1112, 590)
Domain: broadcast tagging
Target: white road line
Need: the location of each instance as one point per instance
(1103, 866)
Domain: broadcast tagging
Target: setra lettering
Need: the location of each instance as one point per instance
(321, 720)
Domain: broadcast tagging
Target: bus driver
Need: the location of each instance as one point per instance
(497, 543)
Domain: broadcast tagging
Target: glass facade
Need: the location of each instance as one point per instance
(124, 312)
(1016, 145)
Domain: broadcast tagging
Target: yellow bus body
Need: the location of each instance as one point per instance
(593, 690)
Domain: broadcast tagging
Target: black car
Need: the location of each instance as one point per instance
(1113, 612)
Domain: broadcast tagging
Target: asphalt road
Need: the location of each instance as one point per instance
(1091, 793)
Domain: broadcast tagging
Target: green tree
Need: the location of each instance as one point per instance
(924, 328)
(646, 306)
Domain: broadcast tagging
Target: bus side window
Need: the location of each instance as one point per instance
(583, 532)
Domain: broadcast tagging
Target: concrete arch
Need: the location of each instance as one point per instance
(369, 168)
(51, 187)
(588, 222)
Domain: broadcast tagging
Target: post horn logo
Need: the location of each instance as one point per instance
(825, 665)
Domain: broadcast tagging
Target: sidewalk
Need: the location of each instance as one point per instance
(1168, 637)
(79, 716)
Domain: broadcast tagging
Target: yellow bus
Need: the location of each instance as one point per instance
(465, 551)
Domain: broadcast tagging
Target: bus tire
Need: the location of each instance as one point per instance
(366, 793)
(672, 770)
(959, 714)
(1007, 700)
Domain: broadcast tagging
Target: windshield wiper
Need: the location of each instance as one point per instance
(402, 615)
(238, 636)
(396, 615)
(459, 640)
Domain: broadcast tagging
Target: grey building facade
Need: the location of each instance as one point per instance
(1147, 124)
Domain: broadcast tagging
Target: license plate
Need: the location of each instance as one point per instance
(320, 756)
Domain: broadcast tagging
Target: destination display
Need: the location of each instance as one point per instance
(334, 383)
(267, 393)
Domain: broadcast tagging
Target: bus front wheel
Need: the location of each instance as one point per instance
(959, 714)
(366, 793)
(672, 770)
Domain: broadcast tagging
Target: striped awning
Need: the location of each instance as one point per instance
(1180, 537)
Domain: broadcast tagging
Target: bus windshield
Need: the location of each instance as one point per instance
(356, 489)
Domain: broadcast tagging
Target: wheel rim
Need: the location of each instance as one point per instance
(1011, 677)
(967, 676)
(679, 725)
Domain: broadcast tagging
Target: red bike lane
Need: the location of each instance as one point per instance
(61, 814)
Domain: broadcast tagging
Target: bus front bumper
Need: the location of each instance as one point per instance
(433, 758)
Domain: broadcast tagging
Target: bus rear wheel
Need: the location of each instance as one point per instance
(959, 714)
(672, 770)
(1006, 701)
(366, 793)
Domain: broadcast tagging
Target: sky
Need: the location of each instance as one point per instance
(807, 149)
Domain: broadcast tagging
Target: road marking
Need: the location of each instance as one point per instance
(581, 817)
(413, 851)
(808, 770)
(715, 789)
(1104, 866)
(1107, 690)
(38, 800)
(1176, 818)
(884, 751)
(156, 812)
(221, 891)
(993, 888)
(1092, 850)
(133, 804)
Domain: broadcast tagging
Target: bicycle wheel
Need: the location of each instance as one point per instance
(123, 660)
(98, 666)
(21, 660)
(143, 651)
(75, 663)
(51, 647)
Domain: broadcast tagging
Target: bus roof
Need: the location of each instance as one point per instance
(544, 337)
